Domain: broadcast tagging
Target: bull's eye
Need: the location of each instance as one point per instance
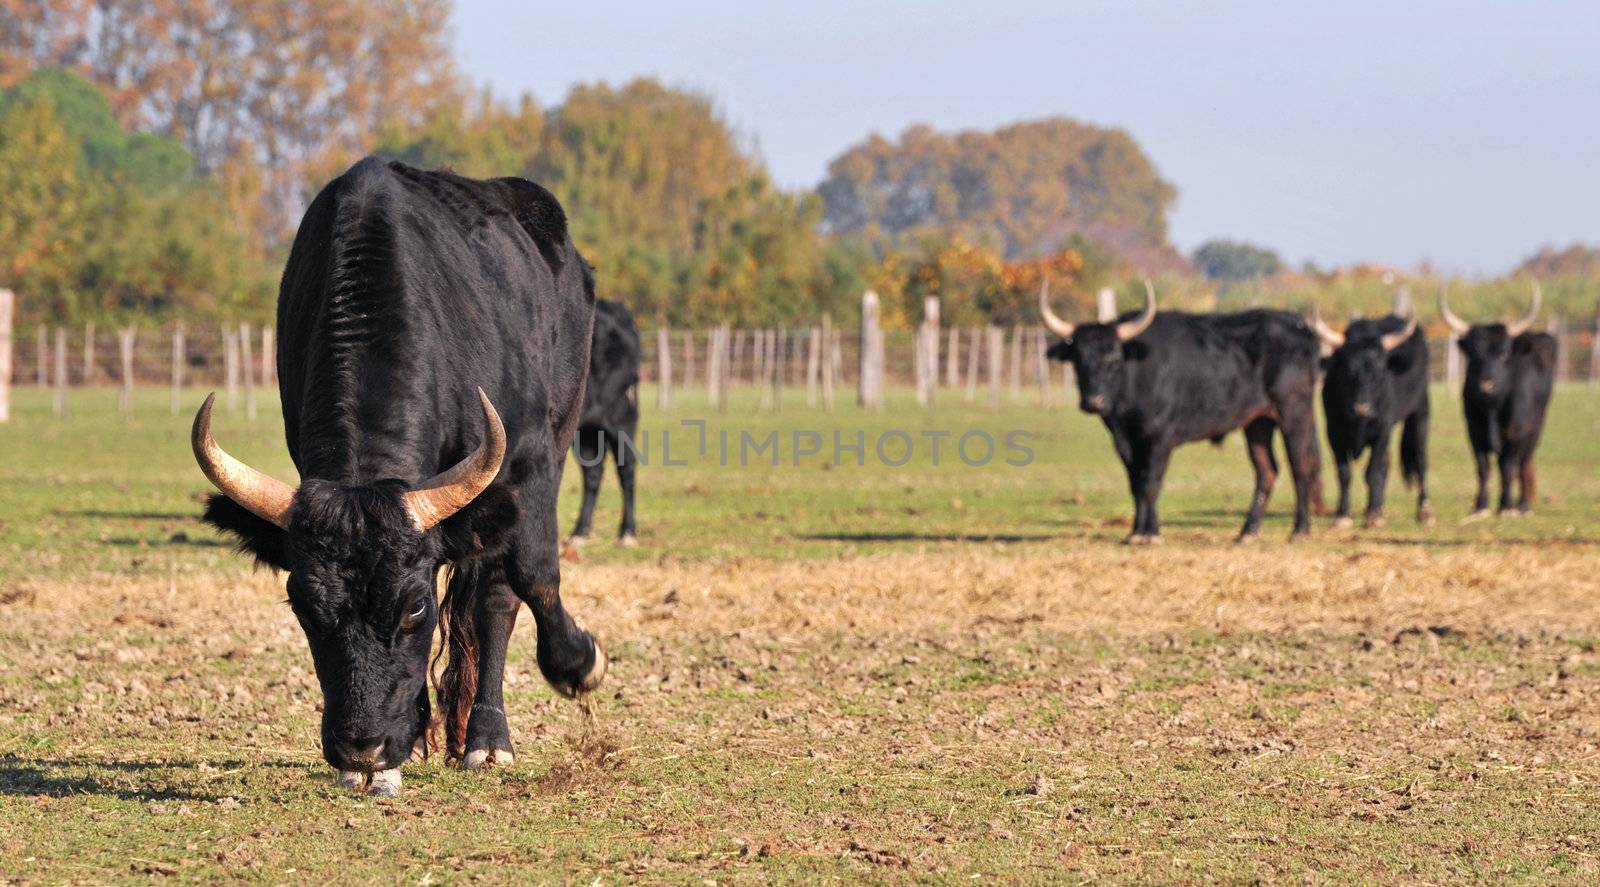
(413, 621)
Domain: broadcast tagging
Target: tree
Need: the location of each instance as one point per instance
(1228, 261)
(1028, 187)
(46, 198)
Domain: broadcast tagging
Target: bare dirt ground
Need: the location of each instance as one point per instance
(942, 713)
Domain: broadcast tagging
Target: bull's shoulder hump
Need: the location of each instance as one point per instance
(537, 211)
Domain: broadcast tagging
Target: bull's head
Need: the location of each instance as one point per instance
(1358, 365)
(1487, 347)
(1096, 350)
(363, 564)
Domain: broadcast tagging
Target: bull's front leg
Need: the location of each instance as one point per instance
(1510, 468)
(1149, 468)
(1377, 481)
(1480, 505)
(1341, 464)
(1258, 445)
(488, 739)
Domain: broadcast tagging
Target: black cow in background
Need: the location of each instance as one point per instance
(1377, 377)
(1510, 374)
(610, 414)
(433, 340)
(1160, 380)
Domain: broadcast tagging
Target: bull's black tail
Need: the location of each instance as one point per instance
(458, 646)
(1412, 452)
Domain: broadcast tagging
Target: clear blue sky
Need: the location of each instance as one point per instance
(1465, 132)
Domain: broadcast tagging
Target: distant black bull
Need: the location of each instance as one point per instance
(1377, 377)
(432, 330)
(610, 416)
(1510, 374)
(1160, 380)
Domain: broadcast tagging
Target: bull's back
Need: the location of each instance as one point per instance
(406, 288)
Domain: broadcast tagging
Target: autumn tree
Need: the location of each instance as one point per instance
(1028, 187)
(1230, 261)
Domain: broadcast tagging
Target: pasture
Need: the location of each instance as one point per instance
(939, 673)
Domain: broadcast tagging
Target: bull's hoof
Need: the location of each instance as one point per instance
(1373, 521)
(1478, 515)
(353, 780)
(591, 680)
(1142, 539)
(628, 540)
(1249, 538)
(576, 541)
(1343, 522)
(1425, 515)
(488, 757)
(385, 784)
(1514, 513)
(1300, 535)
(419, 751)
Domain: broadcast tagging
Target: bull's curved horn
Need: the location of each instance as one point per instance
(263, 496)
(1130, 328)
(1457, 325)
(1392, 341)
(1330, 336)
(1057, 325)
(446, 493)
(1518, 328)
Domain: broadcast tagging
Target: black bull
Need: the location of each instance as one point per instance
(610, 420)
(1377, 378)
(1509, 377)
(425, 321)
(1158, 380)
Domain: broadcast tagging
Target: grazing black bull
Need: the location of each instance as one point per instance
(433, 330)
(1377, 378)
(1510, 374)
(610, 416)
(1160, 380)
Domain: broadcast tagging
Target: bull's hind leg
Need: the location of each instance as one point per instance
(627, 535)
(1258, 445)
(1510, 461)
(590, 449)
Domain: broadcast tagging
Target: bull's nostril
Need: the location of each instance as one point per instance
(361, 752)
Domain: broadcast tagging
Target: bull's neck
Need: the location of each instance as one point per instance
(365, 414)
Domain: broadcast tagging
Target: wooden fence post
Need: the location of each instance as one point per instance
(269, 355)
(88, 354)
(780, 342)
(927, 345)
(247, 370)
(125, 341)
(1016, 364)
(870, 383)
(663, 367)
(1452, 361)
(230, 367)
(42, 359)
(952, 359)
(178, 360)
(1557, 327)
(713, 367)
(1041, 365)
(830, 359)
(60, 405)
(1106, 305)
(813, 365)
(974, 350)
(997, 348)
(8, 301)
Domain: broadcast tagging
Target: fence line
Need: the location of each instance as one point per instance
(819, 357)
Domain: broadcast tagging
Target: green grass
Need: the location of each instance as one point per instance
(927, 674)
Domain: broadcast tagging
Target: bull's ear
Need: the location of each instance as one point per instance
(268, 542)
(483, 528)
(1061, 350)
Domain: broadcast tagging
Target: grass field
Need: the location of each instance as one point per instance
(922, 673)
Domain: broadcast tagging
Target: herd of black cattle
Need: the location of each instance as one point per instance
(440, 348)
